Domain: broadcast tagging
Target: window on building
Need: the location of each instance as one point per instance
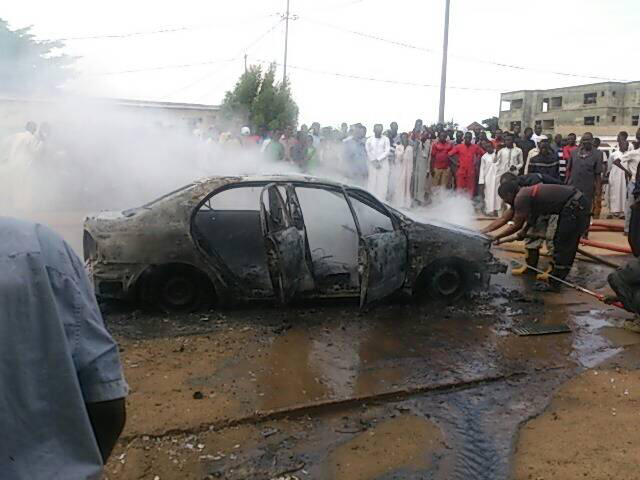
(505, 105)
(590, 98)
(516, 104)
(589, 120)
(613, 118)
(613, 93)
(634, 120)
(545, 105)
(548, 124)
(597, 118)
(602, 93)
(556, 102)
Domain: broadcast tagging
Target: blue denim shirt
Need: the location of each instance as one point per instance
(55, 356)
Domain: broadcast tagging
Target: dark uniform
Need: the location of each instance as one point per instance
(573, 212)
(547, 168)
(583, 169)
(545, 164)
(531, 179)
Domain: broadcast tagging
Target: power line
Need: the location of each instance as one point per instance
(241, 51)
(380, 80)
(161, 30)
(165, 67)
(459, 57)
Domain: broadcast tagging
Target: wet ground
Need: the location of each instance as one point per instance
(402, 391)
(416, 390)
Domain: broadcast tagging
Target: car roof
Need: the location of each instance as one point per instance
(228, 179)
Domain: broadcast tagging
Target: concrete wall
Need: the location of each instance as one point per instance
(613, 99)
(16, 112)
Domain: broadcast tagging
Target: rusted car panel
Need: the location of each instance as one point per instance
(120, 247)
(386, 264)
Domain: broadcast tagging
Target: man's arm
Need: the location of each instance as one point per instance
(500, 222)
(519, 162)
(107, 420)
(433, 157)
(518, 223)
(618, 163)
(387, 150)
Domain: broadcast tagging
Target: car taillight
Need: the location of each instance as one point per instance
(89, 246)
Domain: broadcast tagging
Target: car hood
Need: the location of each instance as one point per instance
(453, 228)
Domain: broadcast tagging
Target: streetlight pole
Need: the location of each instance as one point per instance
(286, 44)
(443, 77)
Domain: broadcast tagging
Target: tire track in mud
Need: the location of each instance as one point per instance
(477, 456)
(482, 423)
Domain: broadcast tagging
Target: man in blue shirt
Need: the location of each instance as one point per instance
(61, 384)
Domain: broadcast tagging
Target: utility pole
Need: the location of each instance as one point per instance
(245, 63)
(443, 77)
(286, 44)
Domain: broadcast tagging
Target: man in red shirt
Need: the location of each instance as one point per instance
(566, 152)
(466, 174)
(440, 163)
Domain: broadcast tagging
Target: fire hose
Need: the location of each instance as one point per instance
(599, 296)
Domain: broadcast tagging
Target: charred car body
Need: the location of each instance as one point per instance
(228, 239)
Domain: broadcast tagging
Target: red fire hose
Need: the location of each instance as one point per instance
(606, 246)
(607, 227)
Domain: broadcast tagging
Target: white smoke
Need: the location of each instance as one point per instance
(446, 206)
(100, 156)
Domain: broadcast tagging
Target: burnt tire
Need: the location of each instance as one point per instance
(180, 288)
(446, 280)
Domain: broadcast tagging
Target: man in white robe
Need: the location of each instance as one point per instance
(489, 178)
(16, 174)
(402, 172)
(378, 150)
(618, 180)
(630, 161)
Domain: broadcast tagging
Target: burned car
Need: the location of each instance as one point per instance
(233, 239)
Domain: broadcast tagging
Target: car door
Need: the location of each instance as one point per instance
(383, 251)
(283, 242)
(297, 219)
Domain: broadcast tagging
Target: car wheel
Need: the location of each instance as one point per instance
(183, 289)
(446, 280)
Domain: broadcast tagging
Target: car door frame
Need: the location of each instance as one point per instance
(284, 247)
(365, 256)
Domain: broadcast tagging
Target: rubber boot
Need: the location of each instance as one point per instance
(544, 277)
(532, 256)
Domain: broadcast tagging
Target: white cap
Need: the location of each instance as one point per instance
(245, 131)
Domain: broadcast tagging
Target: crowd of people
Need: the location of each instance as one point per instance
(407, 167)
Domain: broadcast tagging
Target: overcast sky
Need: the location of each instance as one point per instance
(582, 37)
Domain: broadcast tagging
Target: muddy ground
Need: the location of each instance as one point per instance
(402, 391)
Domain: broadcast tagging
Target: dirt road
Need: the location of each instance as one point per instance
(403, 391)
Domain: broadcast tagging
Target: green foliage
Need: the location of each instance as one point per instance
(28, 65)
(448, 125)
(491, 123)
(262, 102)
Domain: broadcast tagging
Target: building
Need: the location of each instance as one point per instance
(475, 126)
(16, 111)
(601, 108)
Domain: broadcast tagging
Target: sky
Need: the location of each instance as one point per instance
(585, 38)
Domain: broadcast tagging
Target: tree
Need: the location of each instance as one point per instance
(237, 103)
(260, 101)
(448, 125)
(30, 66)
(491, 123)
